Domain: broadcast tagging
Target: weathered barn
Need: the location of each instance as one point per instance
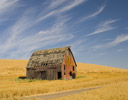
(52, 64)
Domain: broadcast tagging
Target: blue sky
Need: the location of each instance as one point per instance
(96, 30)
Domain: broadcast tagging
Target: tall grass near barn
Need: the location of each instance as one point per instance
(88, 75)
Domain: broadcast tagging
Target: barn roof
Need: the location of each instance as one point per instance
(47, 57)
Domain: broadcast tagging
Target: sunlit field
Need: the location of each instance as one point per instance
(116, 91)
(113, 81)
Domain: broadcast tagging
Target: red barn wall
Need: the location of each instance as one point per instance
(68, 62)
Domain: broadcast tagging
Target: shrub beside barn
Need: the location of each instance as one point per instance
(52, 64)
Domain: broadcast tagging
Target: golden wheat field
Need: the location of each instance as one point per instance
(113, 80)
(116, 91)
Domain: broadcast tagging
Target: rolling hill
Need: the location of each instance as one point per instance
(88, 75)
(18, 67)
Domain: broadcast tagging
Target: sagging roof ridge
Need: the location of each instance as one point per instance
(48, 51)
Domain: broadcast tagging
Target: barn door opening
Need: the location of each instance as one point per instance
(73, 75)
(59, 75)
(70, 73)
(43, 74)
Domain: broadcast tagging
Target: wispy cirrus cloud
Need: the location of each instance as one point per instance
(63, 9)
(23, 40)
(6, 4)
(51, 36)
(5, 7)
(56, 3)
(43, 38)
(100, 10)
(119, 39)
(103, 27)
(20, 38)
(78, 45)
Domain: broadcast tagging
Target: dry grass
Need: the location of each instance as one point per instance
(117, 91)
(88, 75)
(82, 67)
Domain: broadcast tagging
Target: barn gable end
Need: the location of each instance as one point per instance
(69, 66)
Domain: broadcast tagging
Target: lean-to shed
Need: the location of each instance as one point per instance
(52, 64)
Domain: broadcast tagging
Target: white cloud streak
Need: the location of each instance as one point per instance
(77, 45)
(62, 9)
(25, 22)
(22, 41)
(26, 43)
(6, 4)
(5, 7)
(103, 27)
(119, 39)
(100, 10)
(56, 3)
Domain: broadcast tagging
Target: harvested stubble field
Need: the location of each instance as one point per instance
(113, 80)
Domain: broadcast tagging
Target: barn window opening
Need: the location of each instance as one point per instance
(59, 75)
(64, 67)
(64, 73)
(46, 64)
(73, 68)
(28, 68)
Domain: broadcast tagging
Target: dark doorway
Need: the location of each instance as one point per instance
(43, 74)
(59, 75)
(73, 75)
(70, 73)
